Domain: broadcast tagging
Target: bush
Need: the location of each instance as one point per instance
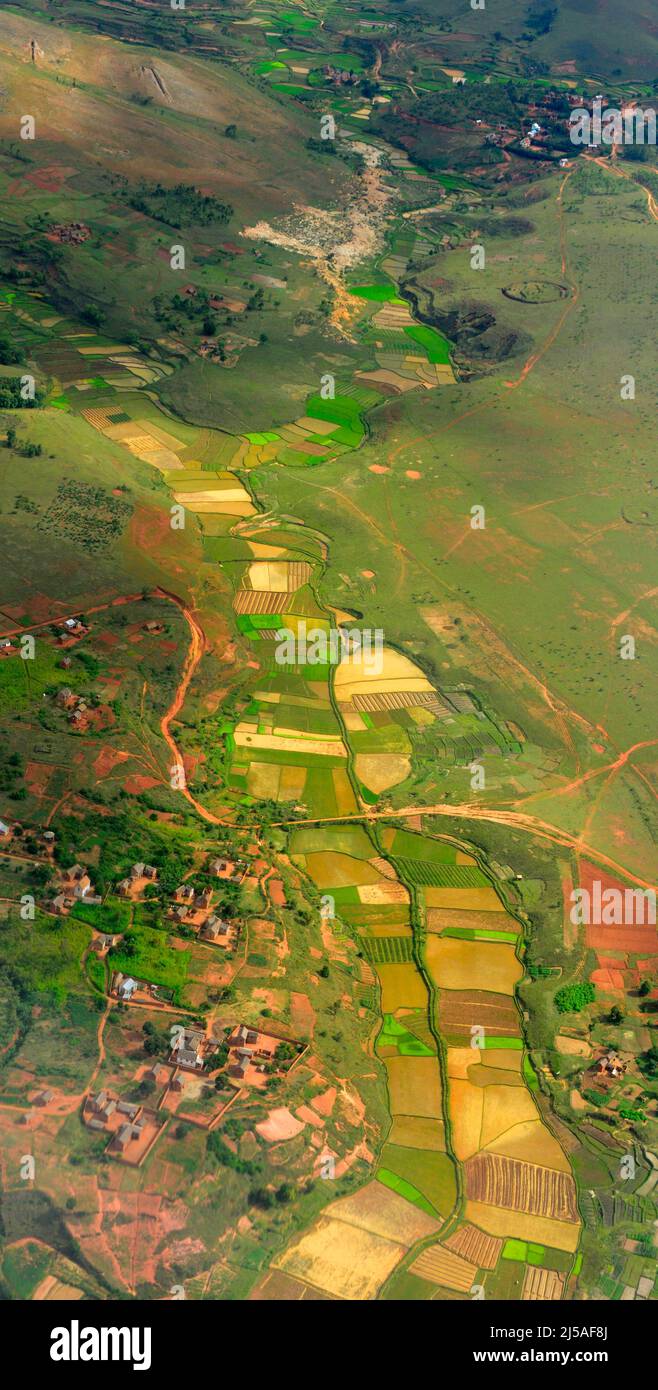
(572, 998)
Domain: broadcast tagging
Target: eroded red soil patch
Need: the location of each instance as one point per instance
(107, 760)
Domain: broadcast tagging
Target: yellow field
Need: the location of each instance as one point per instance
(330, 869)
(506, 1058)
(379, 771)
(357, 677)
(414, 1086)
(263, 780)
(466, 900)
(330, 748)
(563, 1235)
(458, 964)
(466, 1109)
(542, 1284)
(415, 1132)
(401, 985)
(460, 1059)
(292, 782)
(531, 1141)
(345, 799)
(439, 918)
(210, 494)
(341, 1260)
(279, 576)
(440, 1266)
(504, 1107)
(491, 1075)
(383, 892)
(402, 383)
(385, 1213)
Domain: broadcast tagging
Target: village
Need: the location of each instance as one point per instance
(198, 1081)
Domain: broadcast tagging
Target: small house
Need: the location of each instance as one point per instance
(187, 1051)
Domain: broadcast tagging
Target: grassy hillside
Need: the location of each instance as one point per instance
(165, 118)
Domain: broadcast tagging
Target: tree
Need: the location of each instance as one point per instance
(93, 315)
(645, 988)
(261, 1197)
(231, 131)
(9, 353)
(648, 1062)
(615, 1016)
(573, 998)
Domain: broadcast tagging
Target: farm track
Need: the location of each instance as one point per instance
(543, 830)
(613, 168)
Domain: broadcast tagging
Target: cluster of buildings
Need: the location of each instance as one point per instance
(190, 1049)
(253, 1056)
(231, 303)
(78, 712)
(71, 233)
(248, 1055)
(340, 77)
(231, 870)
(72, 631)
(194, 909)
(139, 878)
(610, 1065)
(131, 1130)
(76, 886)
(191, 907)
(132, 991)
(46, 838)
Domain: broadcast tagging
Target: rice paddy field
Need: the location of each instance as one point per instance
(360, 534)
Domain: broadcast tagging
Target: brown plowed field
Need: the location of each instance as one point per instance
(258, 601)
(460, 1010)
(544, 1284)
(482, 1250)
(440, 918)
(395, 699)
(442, 1266)
(507, 1182)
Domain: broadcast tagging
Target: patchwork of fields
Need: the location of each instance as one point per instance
(468, 1145)
(357, 536)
